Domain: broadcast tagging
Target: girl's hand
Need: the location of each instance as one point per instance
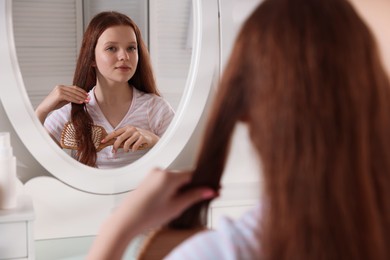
(132, 138)
(155, 202)
(60, 96)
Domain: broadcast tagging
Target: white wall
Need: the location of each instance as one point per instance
(27, 166)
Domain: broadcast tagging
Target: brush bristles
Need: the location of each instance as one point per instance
(68, 136)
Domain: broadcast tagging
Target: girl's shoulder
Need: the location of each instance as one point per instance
(150, 99)
(140, 94)
(63, 112)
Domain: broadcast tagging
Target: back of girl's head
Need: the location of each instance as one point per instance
(85, 76)
(318, 101)
(307, 79)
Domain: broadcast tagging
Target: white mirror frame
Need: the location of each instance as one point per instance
(204, 65)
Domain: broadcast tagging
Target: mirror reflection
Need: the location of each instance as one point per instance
(112, 112)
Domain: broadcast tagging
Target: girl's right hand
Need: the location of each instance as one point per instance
(155, 202)
(60, 96)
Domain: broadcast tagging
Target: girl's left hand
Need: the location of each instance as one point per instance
(131, 138)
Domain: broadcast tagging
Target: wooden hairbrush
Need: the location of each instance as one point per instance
(68, 138)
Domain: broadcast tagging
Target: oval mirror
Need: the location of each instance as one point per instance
(19, 109)
(48, 38)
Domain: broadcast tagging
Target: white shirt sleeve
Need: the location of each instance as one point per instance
(233, 239)
(160, 115)
(56, 121)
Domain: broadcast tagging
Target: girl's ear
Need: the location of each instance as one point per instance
(93, 64)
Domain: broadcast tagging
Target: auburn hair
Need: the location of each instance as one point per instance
(85, 77)
(307, 79)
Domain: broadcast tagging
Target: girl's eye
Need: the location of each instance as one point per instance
(132, 48)
(111, 49)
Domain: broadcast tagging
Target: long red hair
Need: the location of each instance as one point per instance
(85, 77)
(306, 77)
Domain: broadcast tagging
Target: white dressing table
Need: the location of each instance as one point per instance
(16, 230)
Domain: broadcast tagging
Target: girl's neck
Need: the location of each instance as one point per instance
(114, 94)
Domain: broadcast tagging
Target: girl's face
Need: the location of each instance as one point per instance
(116, 55)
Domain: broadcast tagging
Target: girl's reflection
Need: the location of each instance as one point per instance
(114, 90)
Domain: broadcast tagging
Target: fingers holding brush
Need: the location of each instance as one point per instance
(131, 138)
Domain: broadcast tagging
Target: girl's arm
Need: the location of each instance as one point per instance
(156, 201)
(58, 97)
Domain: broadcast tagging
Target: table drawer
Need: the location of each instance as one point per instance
(13, 240)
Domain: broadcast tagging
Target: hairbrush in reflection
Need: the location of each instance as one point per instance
(68, 138)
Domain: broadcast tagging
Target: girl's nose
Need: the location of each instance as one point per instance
(123, 55)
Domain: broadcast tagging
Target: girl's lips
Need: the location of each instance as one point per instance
(123, 69)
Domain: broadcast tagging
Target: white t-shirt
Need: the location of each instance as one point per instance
(233, 239)
(147, 111)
